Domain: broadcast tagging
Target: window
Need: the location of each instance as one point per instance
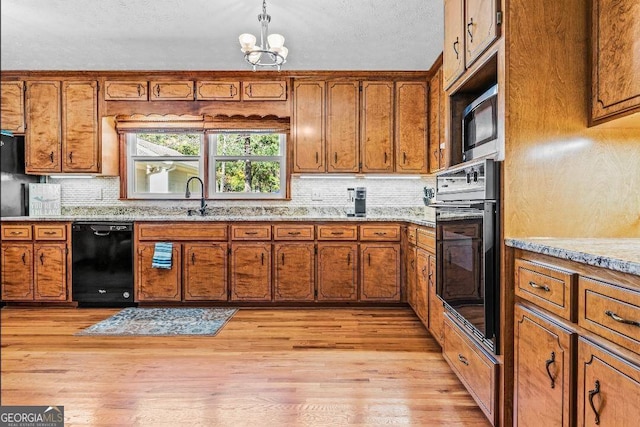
(247, 165)
(159, 164)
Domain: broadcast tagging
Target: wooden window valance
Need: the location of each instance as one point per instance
(195, 123)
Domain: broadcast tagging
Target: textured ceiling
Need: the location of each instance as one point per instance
(203, 34)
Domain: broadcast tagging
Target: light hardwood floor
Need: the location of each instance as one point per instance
(275, 367)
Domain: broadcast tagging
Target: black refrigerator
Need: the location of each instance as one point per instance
(14, 193)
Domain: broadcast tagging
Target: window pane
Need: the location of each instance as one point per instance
(245, 176)
(168, 177)
(248, 144)
(167, 144)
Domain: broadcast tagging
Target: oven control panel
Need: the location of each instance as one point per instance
(472, 181)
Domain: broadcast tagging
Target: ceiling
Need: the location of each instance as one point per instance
(203, 34)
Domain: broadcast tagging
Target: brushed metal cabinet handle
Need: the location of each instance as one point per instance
(619, 319)
(463, 359)
(534, 285)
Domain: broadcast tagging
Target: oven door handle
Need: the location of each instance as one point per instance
(448, 205)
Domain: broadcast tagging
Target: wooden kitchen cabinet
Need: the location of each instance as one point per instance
(50, 271)
(436, 306)
(294, 271)
(342, 133)
(337, 271)
(422, 286)
(126, 90)
(543, 358)
(158, 284)
(608, 387)
(380, 272)
(411, 276)
(376, 126)
(43, 135)
(264, 90)
(437, 145)
(12, 106)
(205, 271)
(251, 271)
(308, 126)
(80, 129)
(615, 79)
(411, 127)
(218, 90)
(172, 91)
(471, 26)
(17, 271)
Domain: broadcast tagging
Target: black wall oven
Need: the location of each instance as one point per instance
(467, 243)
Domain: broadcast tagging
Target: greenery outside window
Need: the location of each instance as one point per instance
(247, 165)
(159, 164)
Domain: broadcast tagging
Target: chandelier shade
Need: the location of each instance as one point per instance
(271, 51)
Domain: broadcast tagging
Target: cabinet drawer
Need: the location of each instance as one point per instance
(474, 368)
(548, 287)
(293, 232)
(126, 91)
(182, 231)
(264, 91)
(337, 232)
(380, 232)
(251, 232)
(412, 235)
(50, 232)
(610, 311)
(427, 239)
(218, 90)
(172, 91)
(16, 232)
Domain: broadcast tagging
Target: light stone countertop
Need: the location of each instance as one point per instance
(622, 254)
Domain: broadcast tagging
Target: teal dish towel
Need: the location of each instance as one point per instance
(162, 255)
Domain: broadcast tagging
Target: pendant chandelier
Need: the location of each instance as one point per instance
(271, 51)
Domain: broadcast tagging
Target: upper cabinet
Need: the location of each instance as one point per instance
(264, 90)
(172, 91)
(616, 69)
(126, 90)
(471, 26)
(12, 106)
(342, 126)
(437, 145)
(308, 126)
(63, 130)
(411, 127)
(218, 90)
(376, 126)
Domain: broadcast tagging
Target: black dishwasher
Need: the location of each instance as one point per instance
(102, 264)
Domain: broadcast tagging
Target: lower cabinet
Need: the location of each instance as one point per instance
(422, 270)
(380, 272)
(17, 271)
(251, 271)
(294, 272)
(50, 271)
(436, 306)
(158, 284)
(608, 387)
(205, 272)
(411, 274)
(337, 271)
(543, 356)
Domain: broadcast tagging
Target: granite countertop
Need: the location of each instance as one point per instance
(622, 254)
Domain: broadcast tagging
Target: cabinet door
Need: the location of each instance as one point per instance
(481, 27)
(615, 77)
(80, 141)
(436, 307)
(422, 286)
(411, 127)
(342, 126)
(264, 91)
(608, 388)
(411, 277)
(453, 52)
(50, 271)
(172, 91)
(543, 354)
(308, 126)
(380, 272)
(294, 271)
(157, 284)
(251, 272)
(218, 90)
(436, 123)
(376, 126)
(42, 137)
(17, 271)
(12, 106)
(205, 271)
(126, 90)
(337, 272)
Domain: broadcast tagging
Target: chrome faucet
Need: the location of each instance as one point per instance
(187, 194)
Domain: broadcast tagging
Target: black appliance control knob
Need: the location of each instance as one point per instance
(468, 178)
(475, 176)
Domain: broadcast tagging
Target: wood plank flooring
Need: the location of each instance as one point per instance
(275, 367)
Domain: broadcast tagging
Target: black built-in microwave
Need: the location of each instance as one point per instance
(480, 126)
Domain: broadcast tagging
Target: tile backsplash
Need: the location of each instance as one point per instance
(306, 191)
